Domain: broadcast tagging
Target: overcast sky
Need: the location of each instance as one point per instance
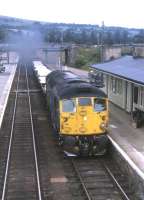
(126, 13)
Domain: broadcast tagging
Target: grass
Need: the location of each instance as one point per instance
(86, 56)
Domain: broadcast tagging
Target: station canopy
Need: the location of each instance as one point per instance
(126, 67)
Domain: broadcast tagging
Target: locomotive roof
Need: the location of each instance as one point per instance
(62, 75)
(68, 85)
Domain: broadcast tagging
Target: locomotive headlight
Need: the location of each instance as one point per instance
(103, 126)
(83, 113)
(82, 129)
(67, 129)
(85, 118)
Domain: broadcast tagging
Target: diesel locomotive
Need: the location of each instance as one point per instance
(79, 113)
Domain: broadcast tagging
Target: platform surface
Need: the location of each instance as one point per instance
(6, 79)
(129, 139)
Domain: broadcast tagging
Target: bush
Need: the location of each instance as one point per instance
(86, 57)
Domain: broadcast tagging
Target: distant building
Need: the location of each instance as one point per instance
(8, 57)
(110, 53)
(138, 51)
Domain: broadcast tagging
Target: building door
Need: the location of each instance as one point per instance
(135, 95)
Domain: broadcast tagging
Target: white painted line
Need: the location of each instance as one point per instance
(62, 179)
(69, 154)
(112, 126)
(128, 159)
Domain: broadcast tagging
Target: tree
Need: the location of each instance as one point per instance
(139, 38)
(124, 37)
(117, 37)
(2, 34)
(93, 37)
(108, 38)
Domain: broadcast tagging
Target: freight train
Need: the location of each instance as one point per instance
(78, 112)
(41, 71)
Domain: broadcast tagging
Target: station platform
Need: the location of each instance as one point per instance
(128, 140)
(6, 79)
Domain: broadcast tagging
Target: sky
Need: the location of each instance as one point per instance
(125, 13)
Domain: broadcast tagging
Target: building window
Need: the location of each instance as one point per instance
(116, 85)
(142, 96)
(104, 80)
(113, 85)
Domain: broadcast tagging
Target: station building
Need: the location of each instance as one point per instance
(124, 84)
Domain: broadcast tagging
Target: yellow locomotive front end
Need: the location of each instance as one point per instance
(83, 116)
(86, 120)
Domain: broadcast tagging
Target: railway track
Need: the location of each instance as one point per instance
(20, 174)
(20, 180)
(32, 166)
(98, 179)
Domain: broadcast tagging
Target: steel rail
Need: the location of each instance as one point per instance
(116, 182)
(10, 141)
(81, 181)
(33, 137)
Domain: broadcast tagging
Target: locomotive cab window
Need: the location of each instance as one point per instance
(68, 105)
(84, 101)
(99, 105)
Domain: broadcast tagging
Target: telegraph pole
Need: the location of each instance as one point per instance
(59, 63)
(60, 56)
(102, 42)
(62, 38)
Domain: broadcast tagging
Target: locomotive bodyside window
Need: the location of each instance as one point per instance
(68, 105)
(99, 105)
(84, 101)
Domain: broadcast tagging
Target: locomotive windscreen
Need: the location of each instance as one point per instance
(99, 105)
(69, 75)
(85, 101)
